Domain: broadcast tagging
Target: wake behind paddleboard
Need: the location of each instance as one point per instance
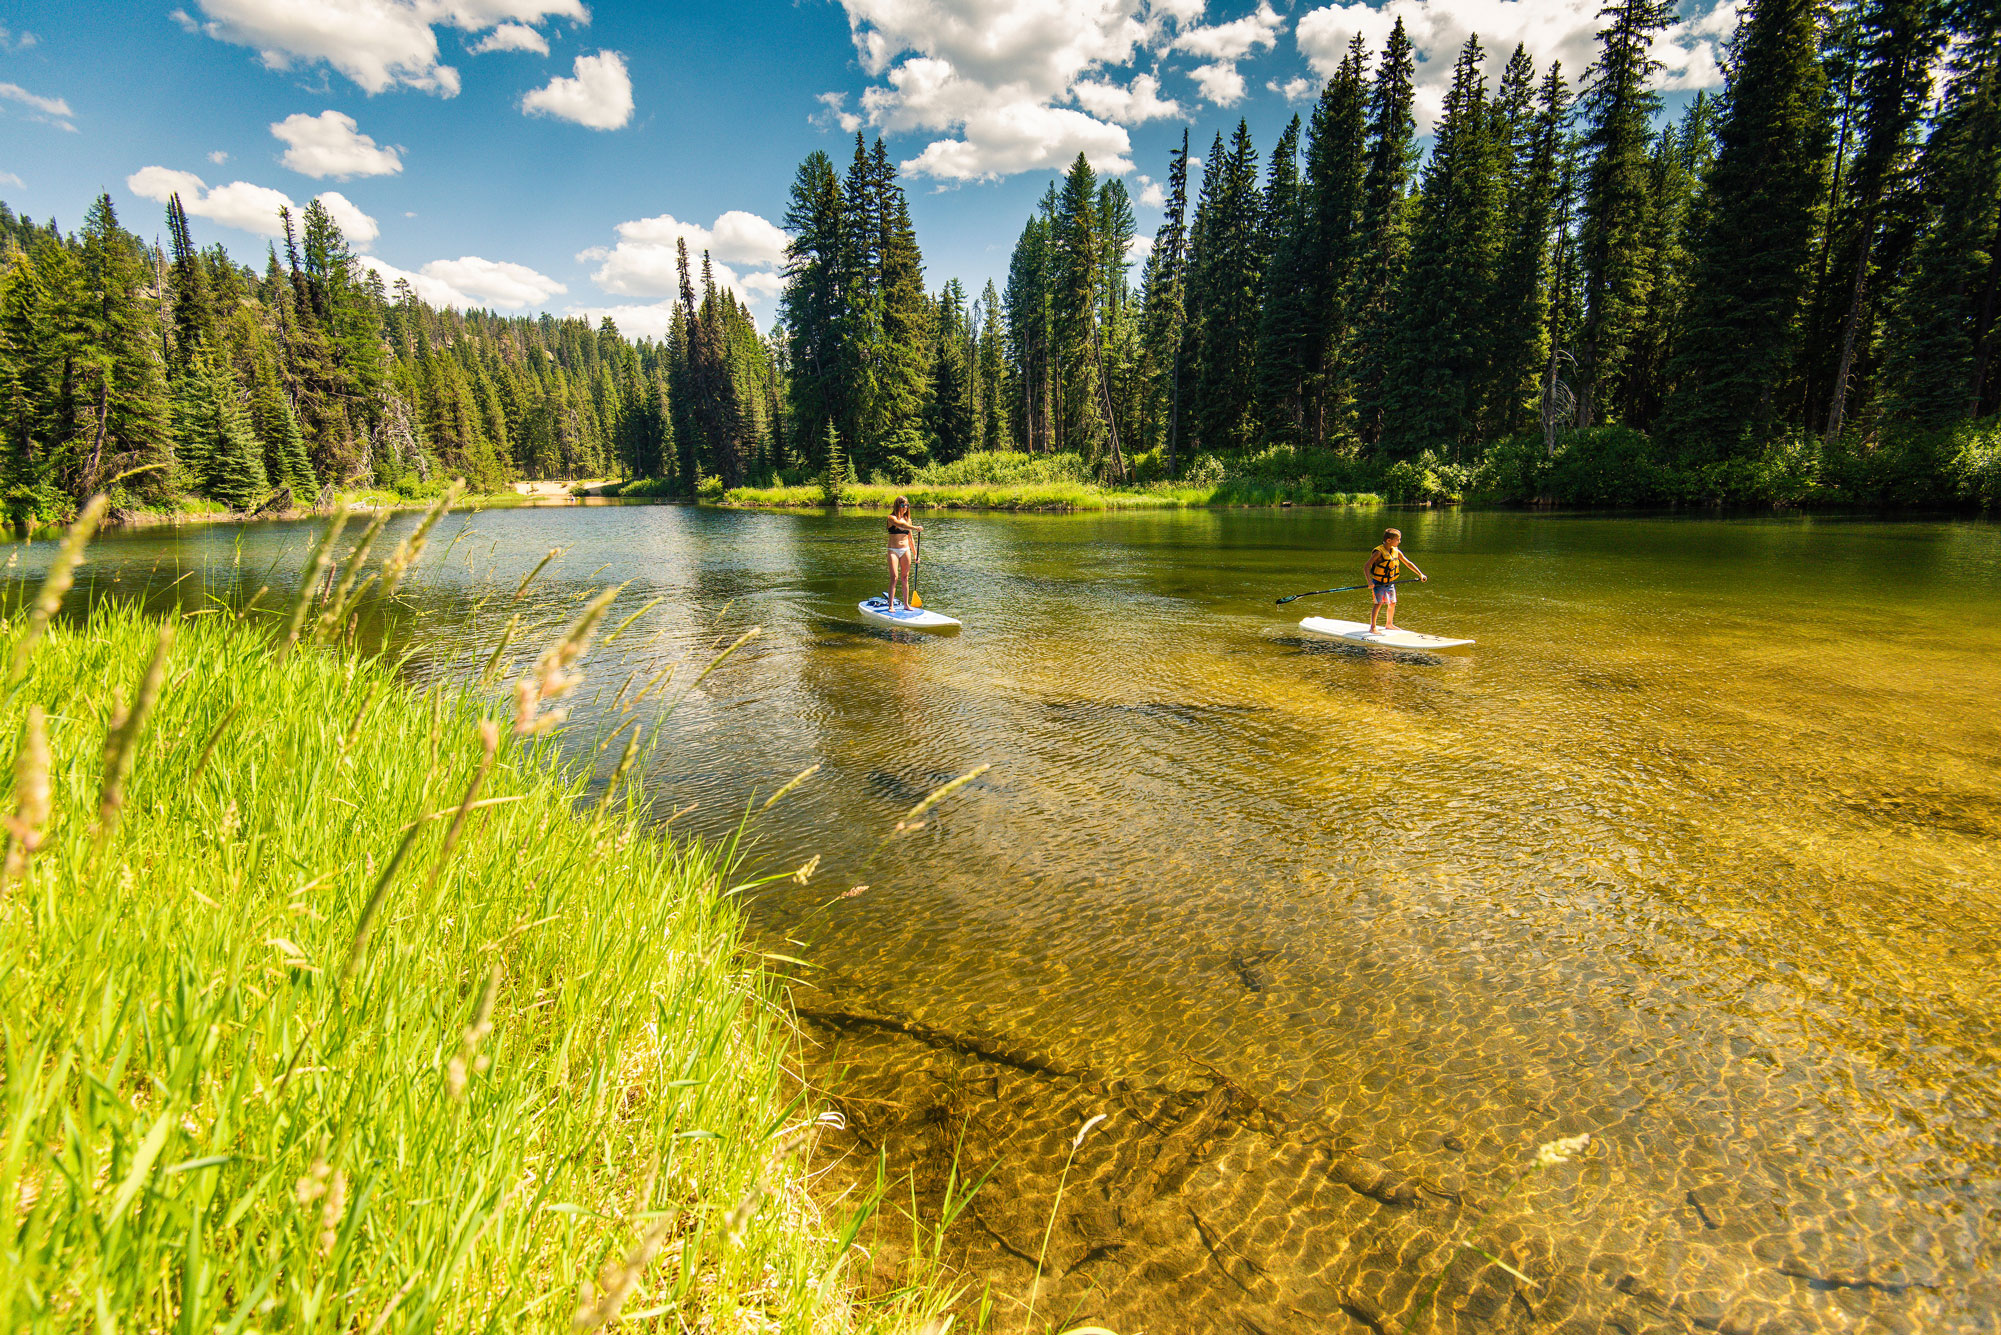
(877, 611)
(1357, 632)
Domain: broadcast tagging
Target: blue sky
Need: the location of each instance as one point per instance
(545, 154)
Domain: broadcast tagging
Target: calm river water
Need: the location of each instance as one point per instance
(1698, 851)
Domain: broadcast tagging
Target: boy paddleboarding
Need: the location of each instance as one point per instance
(1385, 565)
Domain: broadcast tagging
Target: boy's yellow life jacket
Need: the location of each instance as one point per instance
(1385, 565)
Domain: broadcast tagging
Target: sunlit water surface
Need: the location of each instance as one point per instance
(1698, 851)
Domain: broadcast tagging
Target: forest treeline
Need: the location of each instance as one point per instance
(174, 374)
(1789, 292)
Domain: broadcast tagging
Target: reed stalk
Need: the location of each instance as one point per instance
(31, 797)
(121, 741)
(309, 582)
(55, 584)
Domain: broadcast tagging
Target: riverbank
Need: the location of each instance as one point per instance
(1054, 496)
(1604, 468)
(193, 511)
(330, 1003)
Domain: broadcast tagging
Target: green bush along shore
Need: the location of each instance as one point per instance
(307, 1026)
(1954, 469)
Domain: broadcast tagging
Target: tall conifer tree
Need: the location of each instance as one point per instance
(1384, 239)
(1753, 253)
(1619, 106)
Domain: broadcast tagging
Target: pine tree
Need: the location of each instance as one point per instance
(1899, 40)
(836, 473)
(1224, 285)
(1940, 362)
(1619, 106)
(1321, 316)
(116, 387)
(31, 366)
(1074, 296)
(1753, 253)
(951, 416)
(1524, 270)
(1438, 356)
(277, 427)
(1384, 240)
(813, 296)
(1028, 328)
(1164, 302)
(1281, 374)
(902, 385)
(219, 454)
(1681, 159)
(194, 317)
(996, 424)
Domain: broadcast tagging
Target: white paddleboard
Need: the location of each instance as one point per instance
(877, 612)
(1357, 632)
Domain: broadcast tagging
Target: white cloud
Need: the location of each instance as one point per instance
(1256, 31)
(1220, 83)
(1152, 194)
(1296, 89)
(330, 145)
(49, 110)
(1224, 44)
(432, 290)
(1139, 248)
(8, 178)
(496, 282)
(834, 112)
(1565, 30)
(650, 321)
(10, 41)
(513, 37)
(360, 229)
(1135, 104)
(218, 157)
(250, 208)
(747, 238)
(471, 281)
(379, 44)
(600, 96)
(745, 253)
(988, 75)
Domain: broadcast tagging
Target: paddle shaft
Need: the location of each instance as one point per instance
(1345, 588)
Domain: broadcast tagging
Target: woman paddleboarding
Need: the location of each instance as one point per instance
(903, 549)
(884, 610)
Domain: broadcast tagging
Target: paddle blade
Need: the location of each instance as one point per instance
(916, 598)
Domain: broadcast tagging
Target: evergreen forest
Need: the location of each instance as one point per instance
(1790, 292)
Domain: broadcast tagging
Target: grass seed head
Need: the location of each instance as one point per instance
(31, 796)
(331, 1211)
(62, 574)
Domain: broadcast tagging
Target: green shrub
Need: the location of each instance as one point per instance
(1975, 468)
(1204, 469)
(992, 468)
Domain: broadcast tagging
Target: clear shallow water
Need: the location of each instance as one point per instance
(1699, 851)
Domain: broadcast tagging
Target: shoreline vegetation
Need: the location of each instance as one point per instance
(1785, 296)
(331, 1003)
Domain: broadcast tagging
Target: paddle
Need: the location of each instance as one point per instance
(916, 598)
(1345, 588)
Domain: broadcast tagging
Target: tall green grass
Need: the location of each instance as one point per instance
(329, 1005)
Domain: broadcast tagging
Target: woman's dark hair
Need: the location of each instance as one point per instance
(899, 505)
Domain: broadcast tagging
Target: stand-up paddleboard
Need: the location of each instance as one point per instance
(878, 611)
(1357, 632)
